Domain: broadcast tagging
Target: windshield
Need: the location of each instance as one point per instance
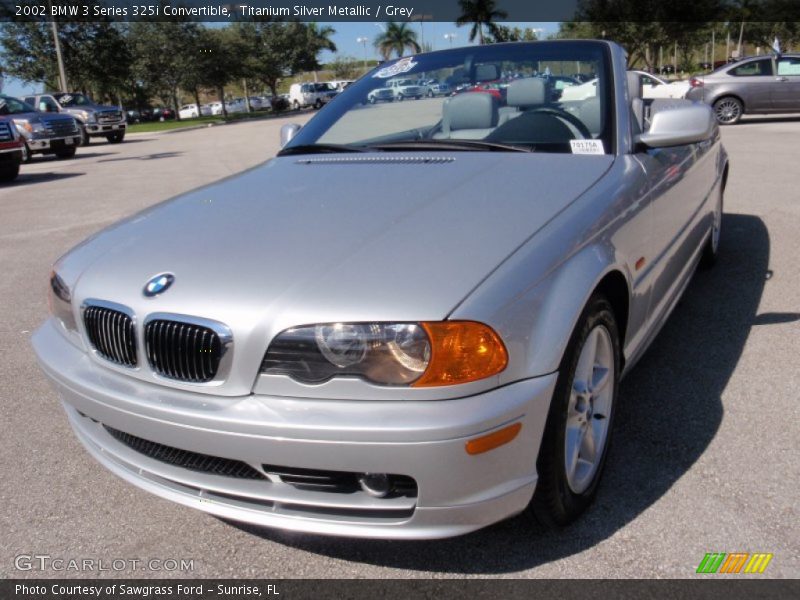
(496, 95)
(12, 106)
(73, 100)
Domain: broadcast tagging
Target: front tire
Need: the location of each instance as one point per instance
(9, 172)
(116, 138)
(26, 153)
(85, 139)
(580, 421)
(728, 110)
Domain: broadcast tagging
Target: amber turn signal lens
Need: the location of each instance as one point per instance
(493, 440)
(462, 351)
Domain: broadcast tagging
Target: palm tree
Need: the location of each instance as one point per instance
(396, 38)
(480, 13)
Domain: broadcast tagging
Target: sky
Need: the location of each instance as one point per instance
(345, 39)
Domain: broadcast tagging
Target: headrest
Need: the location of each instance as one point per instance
(526, 92)
(470, 110)
(634, 85)
(486, 73)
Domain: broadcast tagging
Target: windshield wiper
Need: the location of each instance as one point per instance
(319, 149)
(453, 145)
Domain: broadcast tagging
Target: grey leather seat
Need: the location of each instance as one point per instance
(523, 94)
(471, 116)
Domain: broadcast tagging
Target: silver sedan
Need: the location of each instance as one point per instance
(413, 322)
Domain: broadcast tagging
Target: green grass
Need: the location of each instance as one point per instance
(215, 120)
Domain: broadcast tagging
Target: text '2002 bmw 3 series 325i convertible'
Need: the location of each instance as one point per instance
(413, 321)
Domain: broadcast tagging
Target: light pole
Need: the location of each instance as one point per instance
(450, 37)
(363, 41)
(62, 73)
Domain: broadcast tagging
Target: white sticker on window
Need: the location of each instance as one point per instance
(404, 65)
(587, 146)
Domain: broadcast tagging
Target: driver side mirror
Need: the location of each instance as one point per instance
(679, 125)
(288, 131)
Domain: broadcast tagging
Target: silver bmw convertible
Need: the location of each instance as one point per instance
(412, 322)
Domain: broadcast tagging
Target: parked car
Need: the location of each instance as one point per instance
(406, 88)
(437, 88)
(237, 105)
(11, 148)
(413, 326)
(95, 120)
(42, 133)
(303, 95)
(755, 85)
(190, 111)
(381, 94)
(162, 113)
(652, 85)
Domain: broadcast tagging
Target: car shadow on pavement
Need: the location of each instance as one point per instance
(759, 120)
(144, 157)
(670, 410)
(26, 178)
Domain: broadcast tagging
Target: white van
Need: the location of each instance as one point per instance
(302, 95)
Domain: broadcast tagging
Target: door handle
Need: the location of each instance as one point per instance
(781, 79)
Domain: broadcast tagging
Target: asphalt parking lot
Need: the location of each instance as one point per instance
(706, 442)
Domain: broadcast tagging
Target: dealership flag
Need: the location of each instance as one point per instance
(776, 46)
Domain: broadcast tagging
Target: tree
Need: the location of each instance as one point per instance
(345, 67)
(511, 34)
(163, 53)
(480, 14)
(97, 58)
(396, 38)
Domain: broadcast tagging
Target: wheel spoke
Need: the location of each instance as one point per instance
(572, 449)
(600, 379)
(588, 447)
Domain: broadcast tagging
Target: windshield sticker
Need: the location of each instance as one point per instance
(404, 65)
(587, 146)
(64, 100)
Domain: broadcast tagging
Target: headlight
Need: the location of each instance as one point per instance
(60, 301)
(30, 127)
(415, 354)
(87, 116)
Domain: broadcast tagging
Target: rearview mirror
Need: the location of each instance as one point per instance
(678, 125)
(288, 131)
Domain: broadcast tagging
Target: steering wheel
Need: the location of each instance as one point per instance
(567, 116)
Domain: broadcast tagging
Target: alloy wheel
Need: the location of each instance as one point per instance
(588, 411)
(728, 110)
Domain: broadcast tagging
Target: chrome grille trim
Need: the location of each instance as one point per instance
(109, 116)
(5, 132)
(61, 127)
(111, 331)
(188, 349)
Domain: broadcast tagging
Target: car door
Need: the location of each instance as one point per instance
(786, 90)
(47, 104)
(680, 180)
(754, 82)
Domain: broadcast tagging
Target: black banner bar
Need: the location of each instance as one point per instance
(745, 587)
(399, 10)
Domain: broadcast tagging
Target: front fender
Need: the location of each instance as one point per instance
(536, 325)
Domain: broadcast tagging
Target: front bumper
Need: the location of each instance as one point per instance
(457, 492)
(52, 144)
(105, 128)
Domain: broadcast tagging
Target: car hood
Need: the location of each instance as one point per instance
(42, 117)
(361, 237)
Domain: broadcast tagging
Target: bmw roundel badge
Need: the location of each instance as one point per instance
(158, 284)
